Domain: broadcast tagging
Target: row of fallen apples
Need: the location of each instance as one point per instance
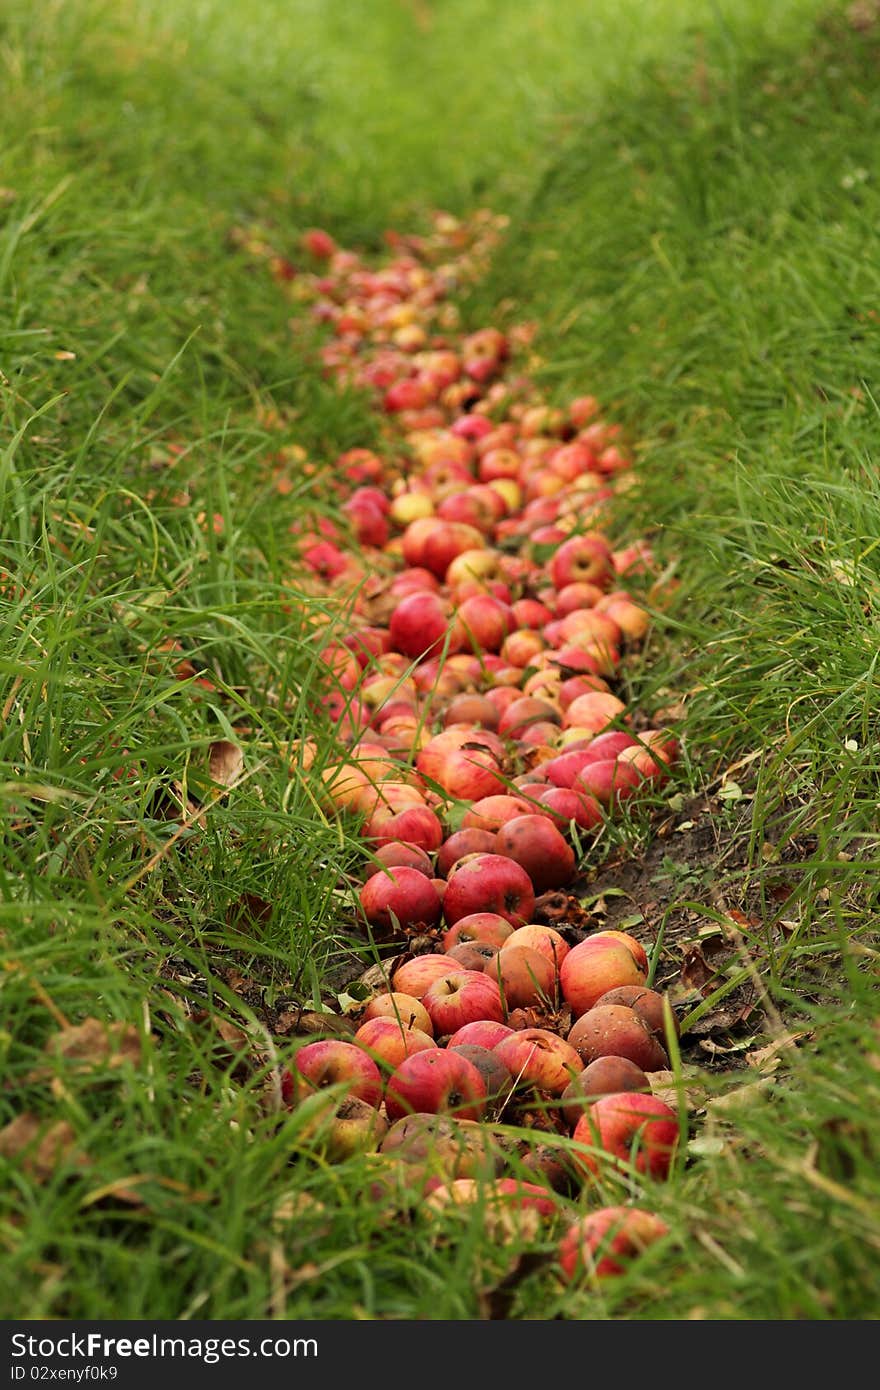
(473, 691)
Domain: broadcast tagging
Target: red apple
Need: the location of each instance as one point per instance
(461, 997)
(592, 968)
(630, 1128)
(414, 976)
(536, 1057)
(332, 1062)
(402, 894)
(388, 1042)
(483, 1033)
(433, 1082)
(487, 928)
(491, 883)
(461, 843)
(602, 1244)
(535, 842)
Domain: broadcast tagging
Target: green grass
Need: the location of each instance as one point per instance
(694, 196)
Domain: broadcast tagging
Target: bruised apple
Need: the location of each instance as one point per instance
(612, 1030)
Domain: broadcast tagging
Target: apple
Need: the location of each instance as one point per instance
(526, 978)
(388, 1042)
(473, 955)
(491, 883)
(490, 1066)
(609, 781)
(436, 1081)
(414, 976)
(604, 1077)
(628, 1128)
(566, 805)
(492, 812)
(338, 1129)
(582, 559)
(602, 1244)
(400, 898)
(546, 940)
(332, 1062)
(471, 708)
(442, 1145)
(534, 842)
(612, 1030)
(647, 1003)
(482, 1033)
(405, 1008)
(485, 928)
(462, 843)
(540, 1059)
(592, 968)
(463, 996)
(635, 948)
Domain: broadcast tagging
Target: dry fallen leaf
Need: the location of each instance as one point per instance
(91, 1046)
(40, 1149)
(225, 763)
(767, 1058)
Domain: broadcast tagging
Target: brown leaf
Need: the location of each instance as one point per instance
(696, 972)
(94, 1045)
(40, 1149)
(226, 763)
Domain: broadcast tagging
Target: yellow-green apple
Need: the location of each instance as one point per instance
(338, 1129)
